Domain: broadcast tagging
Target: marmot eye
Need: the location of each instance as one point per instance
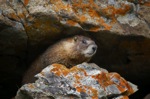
(84, 42)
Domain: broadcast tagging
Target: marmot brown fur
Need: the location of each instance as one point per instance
(69, 52)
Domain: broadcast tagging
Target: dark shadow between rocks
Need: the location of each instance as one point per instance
(127, 55)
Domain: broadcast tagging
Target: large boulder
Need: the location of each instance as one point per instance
(84, 81)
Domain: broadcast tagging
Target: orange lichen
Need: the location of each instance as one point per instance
(44, 30)
(111, 11)
(90, 90)
(79, 4)
(76, 69)
(147, 4)
(72, 23)
(77, 77)
(121, 87)
(26, 2)
(65, 72)
(122, 82)
(60, 69)
(81, 8)
(79, 89)
(56, 71)
(123, 11)
(105, 80)
(60, 6)
(93, 13)
(106, 26)
(21, 15)
(82, 18)
(94, 92)
(13, 16)
(102, 79)
(94, 29)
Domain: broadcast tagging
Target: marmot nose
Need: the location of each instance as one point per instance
(94, 48)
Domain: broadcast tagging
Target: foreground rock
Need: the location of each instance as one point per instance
(84, 81)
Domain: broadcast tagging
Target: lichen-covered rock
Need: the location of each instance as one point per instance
(84, 81)
(47, 17)
(121, 28)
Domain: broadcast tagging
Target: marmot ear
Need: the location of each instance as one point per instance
(75, 38)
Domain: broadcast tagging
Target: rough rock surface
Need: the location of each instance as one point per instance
(84, 81)
(46, 17)
(121, 28)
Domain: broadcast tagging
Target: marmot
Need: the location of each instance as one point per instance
(69, 52)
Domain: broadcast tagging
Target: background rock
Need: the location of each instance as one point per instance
(120, 28)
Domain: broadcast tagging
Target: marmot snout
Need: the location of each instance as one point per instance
(69, 52)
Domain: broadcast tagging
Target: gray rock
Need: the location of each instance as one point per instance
(84, 81)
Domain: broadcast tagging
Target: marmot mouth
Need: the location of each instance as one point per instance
(91, 53)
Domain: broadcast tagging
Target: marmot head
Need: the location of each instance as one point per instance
(85, 45)
(77, 49)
